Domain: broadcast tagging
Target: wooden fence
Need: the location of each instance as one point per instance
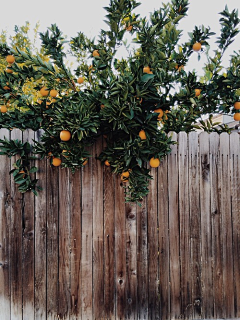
(77, 251)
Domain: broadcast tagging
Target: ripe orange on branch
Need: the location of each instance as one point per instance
(236, 117)
(237, 105)
(197, 92)
(3, 109)
(142, 135)
(65, 135)
(56, 162)
(44, 92)
(146, 69)
(95, 53)
(10, 58)
(197, 46)
(80, 80)
(107, 163)
(8, 69)
(154, 162)
(53, 93)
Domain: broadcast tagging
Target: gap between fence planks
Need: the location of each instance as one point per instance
(77, 251)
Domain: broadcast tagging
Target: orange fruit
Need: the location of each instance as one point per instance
(125, 175)
(53, 93)
(160, 113)
(10, 58)
(85, 162)
(237, 105)
(56, 162)
(142, 135)
(129, 28)
(80, 80)
(65, 135)
(96, 53)
(197, 46)
(154, 163)
(181, 68)
(102, 106)
(3, 109)
(197, 92)
(146, 69)
(236, 117)
(6, 88)
(107, 163)
(44, 92)
(8, 70)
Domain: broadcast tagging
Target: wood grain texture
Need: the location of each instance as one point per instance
(16, 249)
(227, 244)
(28, 213)
(234, 158)
(78, 251)
(40, 234)
(5, 222)
(174, 245)
(195, 218)
(206, 226)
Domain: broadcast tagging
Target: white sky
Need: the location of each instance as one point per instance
(87, 16)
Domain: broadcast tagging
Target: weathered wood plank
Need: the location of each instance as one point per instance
(28, 212)
(75, 190)
(98, 238)
(163, 236)
(216, 225)
(40, 232)
(52, 198)
(174, 246)
(142, 261)
(227, 245)
(195, 218)
(64, 246)
(185, 240)
(206, 227)
(87, 231)
(131, 260)
(16, 242)
(5, 223)
(120, 251)
(109, 244)
(235, 187)
(153, 250)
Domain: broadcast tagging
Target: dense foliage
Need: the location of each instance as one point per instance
(133, 102)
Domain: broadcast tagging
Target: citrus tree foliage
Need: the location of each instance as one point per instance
(133, 102)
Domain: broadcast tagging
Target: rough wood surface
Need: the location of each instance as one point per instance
(78, 251)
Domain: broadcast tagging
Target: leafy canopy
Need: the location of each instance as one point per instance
(133, 102)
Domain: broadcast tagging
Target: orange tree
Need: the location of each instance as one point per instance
(133, 102)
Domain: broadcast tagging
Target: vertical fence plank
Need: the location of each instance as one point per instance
(206, 234)
(40, 233)
(120, 251)
(142, 261)
(216, 225)
(195, 218)
(153, 250)
(75, 190)
(174, 248)
(28, 244)
(131, 260)
(164, 288)
(87, 232)
(16, 242)
(226, 227)
(4, 233)
(98, 240)
(64, 245)
(109, 244)
(185, 241)
(235, 195)
(52, 240)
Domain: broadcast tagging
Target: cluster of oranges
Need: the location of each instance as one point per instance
(237, 114)
(10, 60)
